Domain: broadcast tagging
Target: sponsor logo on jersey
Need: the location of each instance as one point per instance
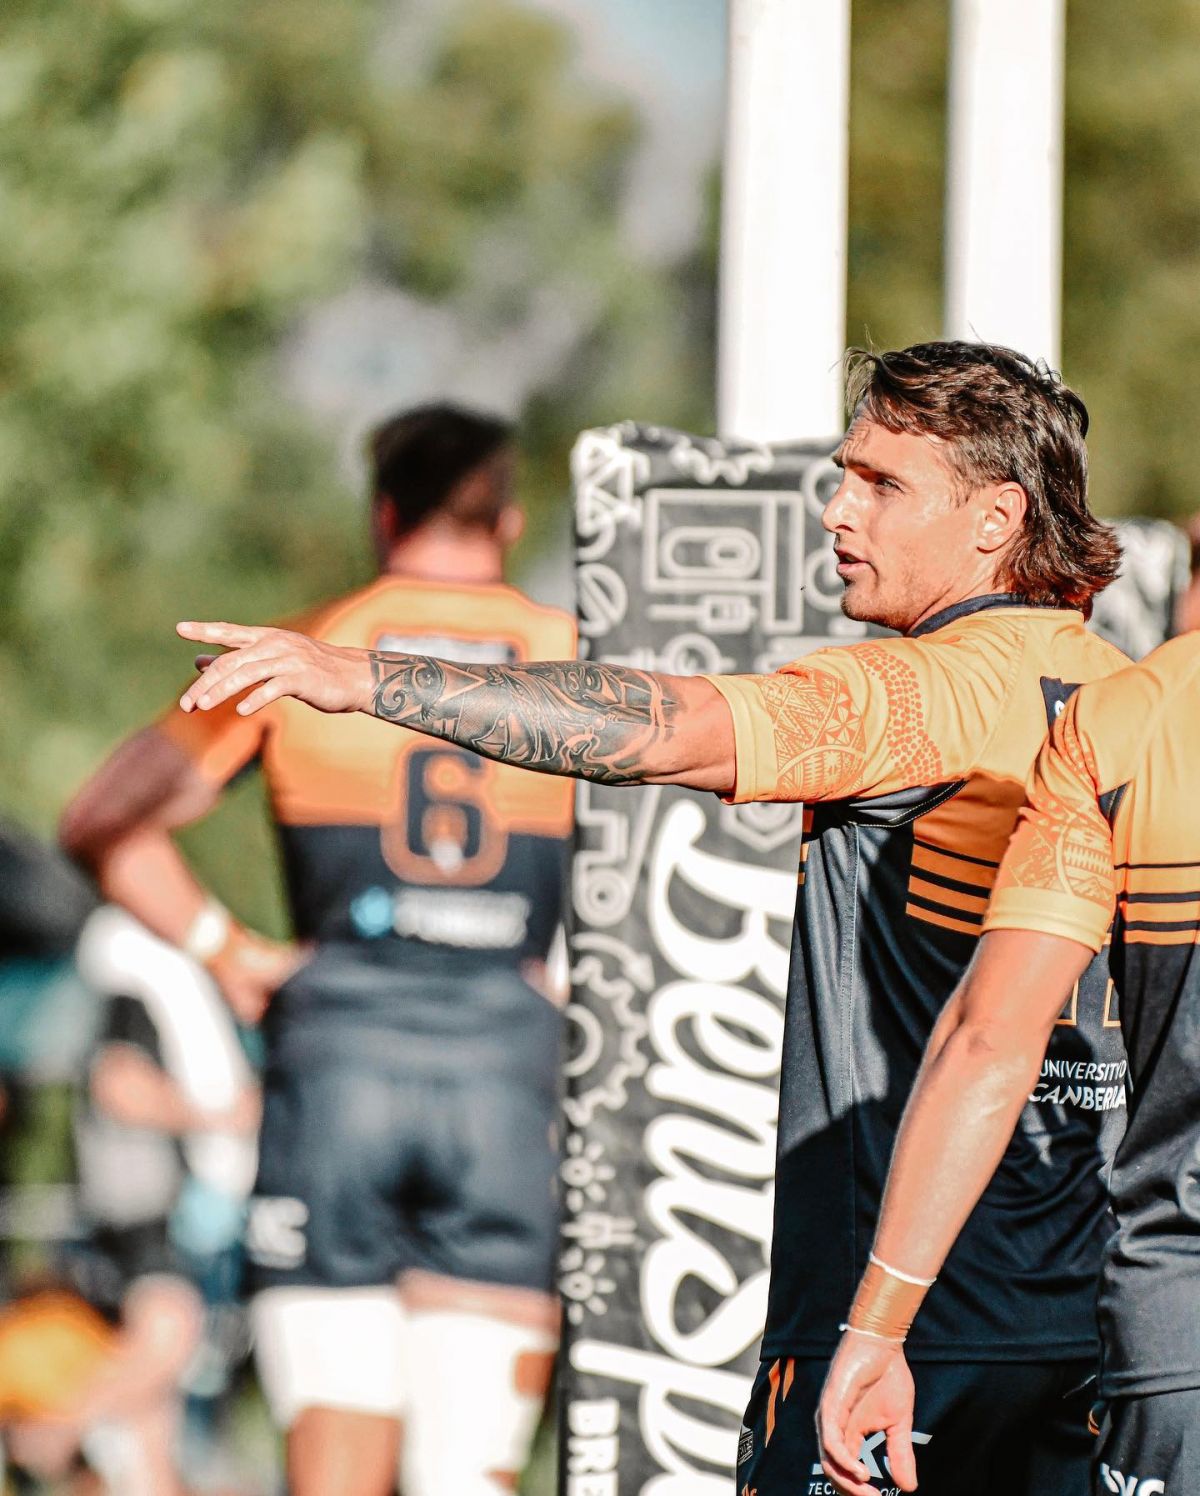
(447, 647)
(1088, 1085)
(1130, 1485)
(745, 1444)
(474, 921)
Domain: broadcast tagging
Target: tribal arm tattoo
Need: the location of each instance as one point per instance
(601, 722)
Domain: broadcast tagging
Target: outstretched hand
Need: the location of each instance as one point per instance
(275, 663)
(869, 1388)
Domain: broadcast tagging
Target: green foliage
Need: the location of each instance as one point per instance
(178, 184)
(1132, 220)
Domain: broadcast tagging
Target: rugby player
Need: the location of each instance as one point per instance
(411, 1083)
(1111, 822)
(961, 520)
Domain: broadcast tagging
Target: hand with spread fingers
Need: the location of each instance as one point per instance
(270, 663)
(869, 1388)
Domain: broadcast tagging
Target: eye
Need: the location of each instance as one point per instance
(889, 485)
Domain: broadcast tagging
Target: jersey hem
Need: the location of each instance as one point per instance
(1147, 1384)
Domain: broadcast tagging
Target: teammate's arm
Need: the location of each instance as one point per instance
(129, 1087)
(980, 1066)
(1049, 914)
(606, 723)
(119, 826)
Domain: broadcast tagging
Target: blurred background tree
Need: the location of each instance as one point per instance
(178, 184)
(1131, 318)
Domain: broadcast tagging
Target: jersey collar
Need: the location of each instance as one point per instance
(965, 609)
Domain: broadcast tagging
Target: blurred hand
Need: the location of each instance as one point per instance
(250, 969)
(44, 1447)
(242, 1118)
(277, 663)
(869, 1388)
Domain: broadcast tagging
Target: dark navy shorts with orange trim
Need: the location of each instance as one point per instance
(985, 1428)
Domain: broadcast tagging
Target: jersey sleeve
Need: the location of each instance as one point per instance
(218, 743)
(870, 718)
(1057, 876)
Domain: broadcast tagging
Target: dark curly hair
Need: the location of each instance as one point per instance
(1004, 419)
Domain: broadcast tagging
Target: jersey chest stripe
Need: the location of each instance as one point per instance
(958, 856)
(942, 897)
(940, 869)
(1140, 935)
(947, 922)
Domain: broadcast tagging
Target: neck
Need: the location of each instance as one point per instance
(952, 596)
(440, 554)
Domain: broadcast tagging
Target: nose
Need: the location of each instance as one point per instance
(838, 512)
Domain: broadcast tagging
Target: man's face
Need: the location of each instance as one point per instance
(904, 534)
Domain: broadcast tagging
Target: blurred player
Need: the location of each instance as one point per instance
(411, 1084)
(962, 521)
(165, 1146)
(1111, 821)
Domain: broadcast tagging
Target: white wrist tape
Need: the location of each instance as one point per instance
(896, 1273)
(208, 934)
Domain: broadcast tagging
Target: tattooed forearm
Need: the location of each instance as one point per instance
(599, 722)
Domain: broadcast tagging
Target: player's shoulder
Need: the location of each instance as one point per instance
(404, 607)
(1135, 697)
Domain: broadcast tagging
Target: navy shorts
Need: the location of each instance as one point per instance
(981, 1429)
(1150, 1445)
(430, 1146)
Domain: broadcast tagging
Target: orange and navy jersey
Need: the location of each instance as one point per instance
(1112, 824)
(405, 846)
(911, 755)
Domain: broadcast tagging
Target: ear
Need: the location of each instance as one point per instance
(383, 526)
(1001, 516)
(510, 526)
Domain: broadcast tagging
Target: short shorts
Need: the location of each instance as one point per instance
(385, 1150)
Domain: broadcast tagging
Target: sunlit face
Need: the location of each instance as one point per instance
(907, 541)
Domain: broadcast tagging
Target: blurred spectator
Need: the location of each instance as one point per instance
(166, 1155)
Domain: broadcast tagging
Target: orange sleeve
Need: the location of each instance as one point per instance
(219, 743)
(870, 718)
(1057, 877)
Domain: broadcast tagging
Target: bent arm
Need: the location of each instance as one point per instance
(607, 723)
(129, 1087)
(119, 825)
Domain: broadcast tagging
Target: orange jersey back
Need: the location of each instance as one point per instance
(390, 837)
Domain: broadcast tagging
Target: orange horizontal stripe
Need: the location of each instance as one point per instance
(1160, 880)
(1169, 913)
(974, 903)
(946, 922)
(1162, 937)
(953, 867)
